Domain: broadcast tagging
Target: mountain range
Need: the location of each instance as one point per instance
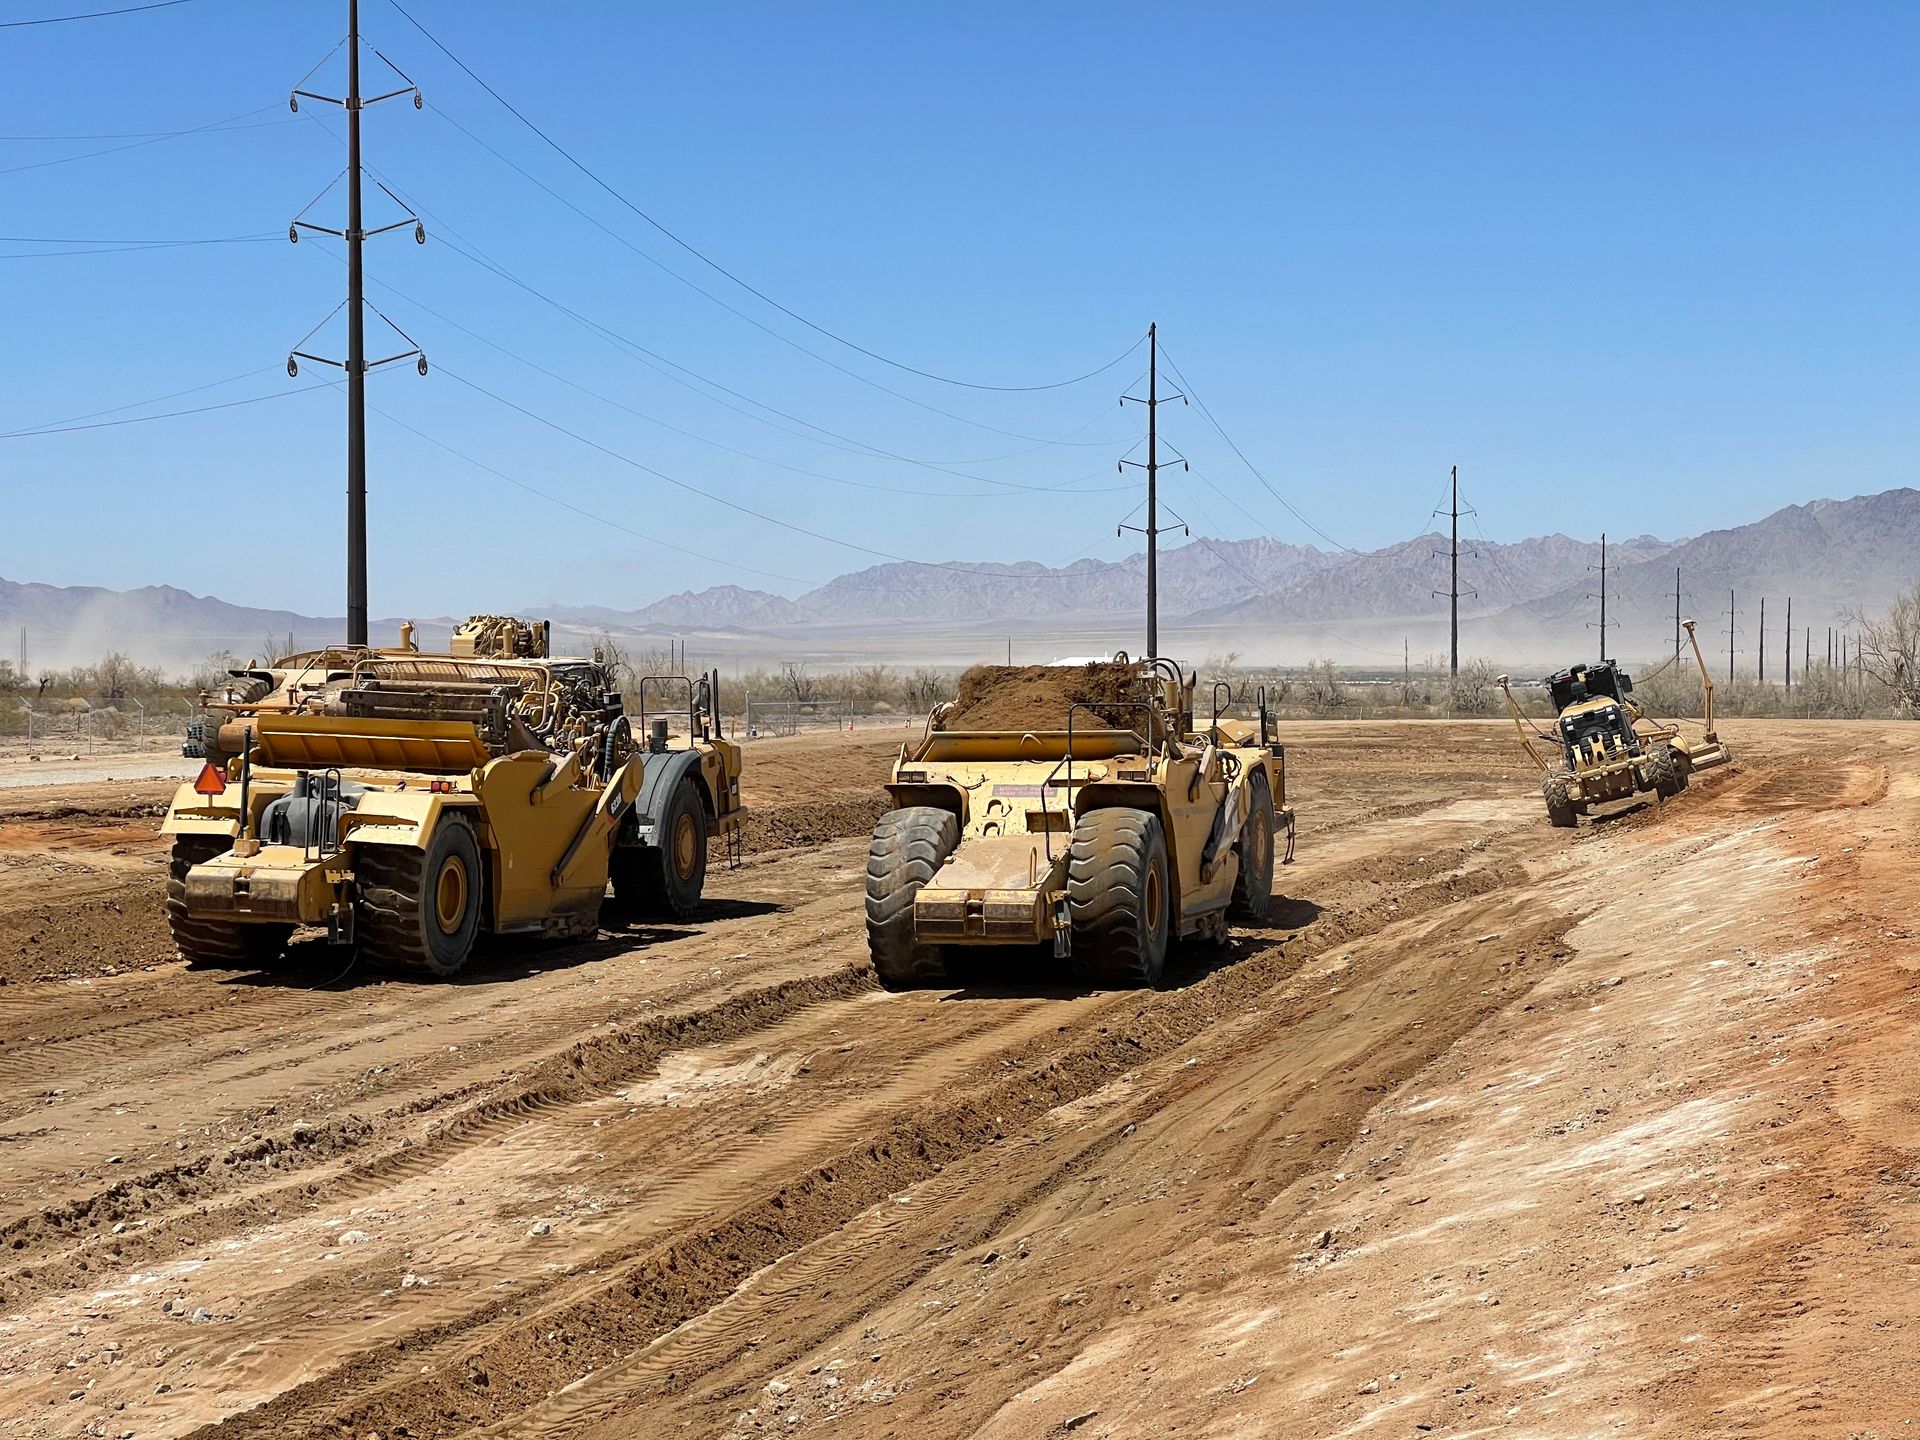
(1525, 603)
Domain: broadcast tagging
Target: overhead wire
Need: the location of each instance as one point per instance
(728, 503)
(715, 265)
(107, 247)
(1072, 486)
(580, 510)
(150, 400)
(679, 374)
(213, 127)
(167, 415)
(91, 14)
(741, 314)
(1254, 470)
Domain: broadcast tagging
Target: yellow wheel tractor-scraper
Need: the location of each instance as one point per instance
(1609, 748)
(410, 802)
(1109, 835)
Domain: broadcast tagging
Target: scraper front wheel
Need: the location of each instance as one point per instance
(215, 942)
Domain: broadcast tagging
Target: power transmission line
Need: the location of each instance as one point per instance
(787, 340)
(1068, 487)
(1252, 469)
(716, 266)
(212, 127)
(166, 415)
(108, 247)
(677, 373)
(91, 15)
(649, 536)
(142, 404)
(693, 489)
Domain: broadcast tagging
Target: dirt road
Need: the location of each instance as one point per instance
(1498, 1129)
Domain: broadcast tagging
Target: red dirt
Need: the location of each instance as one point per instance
(1498, 1130)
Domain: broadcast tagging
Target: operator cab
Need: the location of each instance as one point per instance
(1588, 699)
(1602, 681)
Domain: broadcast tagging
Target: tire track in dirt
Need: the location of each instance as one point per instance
(651, 1287)
(176, 1202)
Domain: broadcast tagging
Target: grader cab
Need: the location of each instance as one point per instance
(409, 802)
(1107, 833)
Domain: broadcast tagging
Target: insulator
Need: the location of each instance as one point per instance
(421, 365)
(293, 103)
(419, 233)
(293, 234)
(293, 366)
(418, 103)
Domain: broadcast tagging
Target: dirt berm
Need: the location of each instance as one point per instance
(1037, 697)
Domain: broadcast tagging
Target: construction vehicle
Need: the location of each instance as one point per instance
(411, 802)
(1608, 747)
(1109, 837)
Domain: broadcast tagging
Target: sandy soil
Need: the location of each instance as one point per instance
(1497, 1130)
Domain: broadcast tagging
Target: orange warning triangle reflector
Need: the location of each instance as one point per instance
(210, 781)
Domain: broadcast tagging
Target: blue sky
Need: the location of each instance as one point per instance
(1636, 267)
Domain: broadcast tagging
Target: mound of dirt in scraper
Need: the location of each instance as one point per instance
(1037, 697)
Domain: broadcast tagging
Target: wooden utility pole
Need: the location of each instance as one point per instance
(1761, 651)
(1787, 653)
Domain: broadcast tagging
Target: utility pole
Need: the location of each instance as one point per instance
(356, 364)
(1153, 402)
(1787, 657)
(1453, 585)
(1676, 612)
(1731, 614)
(1762, 651)
(1603, 594)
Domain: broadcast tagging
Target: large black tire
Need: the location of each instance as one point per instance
(909, 846)
(1558, 790)
(1120, 898)
(419, 910)
(663, 881)
(1253, 888)
(1667, 768)
(215, 942)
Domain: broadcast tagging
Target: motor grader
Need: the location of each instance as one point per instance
(1609, 748)
(411, 802)
(1109, 836)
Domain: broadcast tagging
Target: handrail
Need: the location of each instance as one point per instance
(641, 696)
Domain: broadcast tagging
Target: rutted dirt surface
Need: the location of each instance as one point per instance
(1497, 1130)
